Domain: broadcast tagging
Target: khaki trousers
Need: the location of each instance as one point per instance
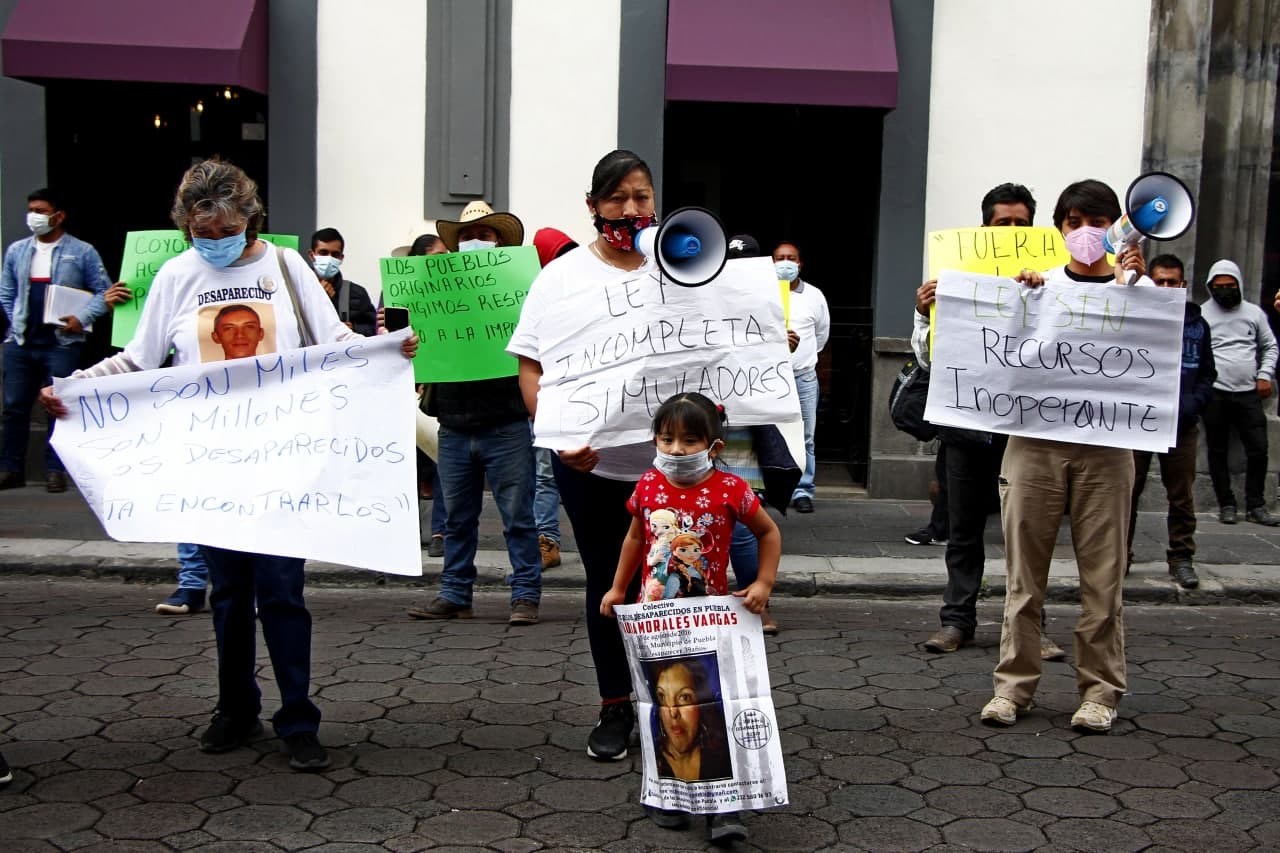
(1039, 480)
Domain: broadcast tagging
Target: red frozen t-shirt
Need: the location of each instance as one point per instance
(687, 532)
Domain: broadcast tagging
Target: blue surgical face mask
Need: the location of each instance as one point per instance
(475, 245)
(326, 266)
(221, 252)
(686, 469)
(787, 270)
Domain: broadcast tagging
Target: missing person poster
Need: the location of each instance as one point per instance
(708, 730)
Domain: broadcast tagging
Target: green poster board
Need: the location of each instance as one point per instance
(463, 307)
(144, 253)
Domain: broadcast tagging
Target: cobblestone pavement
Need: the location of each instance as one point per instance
(469, 735)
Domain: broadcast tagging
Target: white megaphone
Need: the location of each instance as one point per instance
(689, 245)
(1157, 205)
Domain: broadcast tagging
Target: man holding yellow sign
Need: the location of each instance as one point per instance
(971, 460)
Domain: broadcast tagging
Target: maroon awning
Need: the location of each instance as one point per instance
(825, 52)
(156, 41)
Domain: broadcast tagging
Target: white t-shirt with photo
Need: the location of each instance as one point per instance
(206, 313)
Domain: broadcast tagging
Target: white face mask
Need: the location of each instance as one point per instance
(475, 245)
(326, 266)
(683, 469)
(787, 270)
(38, 223)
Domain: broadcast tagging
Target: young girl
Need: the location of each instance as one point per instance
(706, 502)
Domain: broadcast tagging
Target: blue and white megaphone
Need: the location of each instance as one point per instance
(689, 245)
(1158, 206)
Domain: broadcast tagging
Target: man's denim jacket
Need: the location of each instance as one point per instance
(75, 264)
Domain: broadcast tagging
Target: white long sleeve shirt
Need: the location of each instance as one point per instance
(811, 320)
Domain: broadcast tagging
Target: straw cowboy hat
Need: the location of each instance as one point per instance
(510, 229)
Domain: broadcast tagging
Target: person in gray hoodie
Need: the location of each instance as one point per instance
(1244, 352)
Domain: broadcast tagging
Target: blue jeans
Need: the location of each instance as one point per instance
(807, 390)
(193, 573)
(744, 554)
(27, 369)
(275, 583)
(439, 515)
(546, 497)
(503, 455)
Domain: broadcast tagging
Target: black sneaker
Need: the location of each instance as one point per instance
(608, 740)
(226, 733)
(923, 536)
(435, 548)
(305, 752)
(1259, 515)
(1227, 515)
(724, 829)
(666, 818)
(1185, 574)
(803, 504)
(6, 775)
(183, 602)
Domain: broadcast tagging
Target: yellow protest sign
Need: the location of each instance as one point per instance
(1002, 251)
(785, 287)
(996, 251)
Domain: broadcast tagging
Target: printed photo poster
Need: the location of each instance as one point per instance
(708, 729)
(236, 329)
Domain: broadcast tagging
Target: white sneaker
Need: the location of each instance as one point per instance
(1001, 712)
(1093, 717)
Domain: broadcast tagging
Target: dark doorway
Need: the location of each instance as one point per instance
(117, 150)
(808, 175)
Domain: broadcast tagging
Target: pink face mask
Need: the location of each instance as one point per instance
(1085, 244)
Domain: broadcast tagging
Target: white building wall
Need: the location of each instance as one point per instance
(371, 128)
(564, 108)
(1038, 93)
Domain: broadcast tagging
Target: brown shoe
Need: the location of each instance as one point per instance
(441, 608)
(523, 612)
(12, 480)
(55, 482)
(550, 551)
(767, 623)
(946, 639)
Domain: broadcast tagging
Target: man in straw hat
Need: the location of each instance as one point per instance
(484, 435)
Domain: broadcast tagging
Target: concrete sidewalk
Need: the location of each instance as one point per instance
(851, 546)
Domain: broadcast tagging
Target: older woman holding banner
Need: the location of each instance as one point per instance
(218, 208)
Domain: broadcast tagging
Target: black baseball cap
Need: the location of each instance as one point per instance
(743, 246)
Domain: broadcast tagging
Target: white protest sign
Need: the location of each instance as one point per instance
(1085, 363)
(708, 728)
(648, 339)
(307, 453)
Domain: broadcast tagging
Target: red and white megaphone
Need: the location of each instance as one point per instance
(689, 245)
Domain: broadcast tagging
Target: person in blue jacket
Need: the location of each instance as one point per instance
(1178, 465)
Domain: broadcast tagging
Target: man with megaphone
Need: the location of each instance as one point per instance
(1040, 480)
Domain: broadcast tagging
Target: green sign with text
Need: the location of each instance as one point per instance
(463, 306)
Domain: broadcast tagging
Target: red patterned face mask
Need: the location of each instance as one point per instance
(621, 233)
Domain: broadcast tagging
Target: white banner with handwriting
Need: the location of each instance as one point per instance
(653, 339)
(1069, 361)
(307, 453)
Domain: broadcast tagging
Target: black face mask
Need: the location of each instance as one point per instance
(1227, 297)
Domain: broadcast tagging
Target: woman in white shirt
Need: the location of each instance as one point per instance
(231, 277)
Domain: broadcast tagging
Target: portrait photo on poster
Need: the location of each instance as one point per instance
(236, 330)
(687, 720)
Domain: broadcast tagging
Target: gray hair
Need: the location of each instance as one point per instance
(216, 189)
